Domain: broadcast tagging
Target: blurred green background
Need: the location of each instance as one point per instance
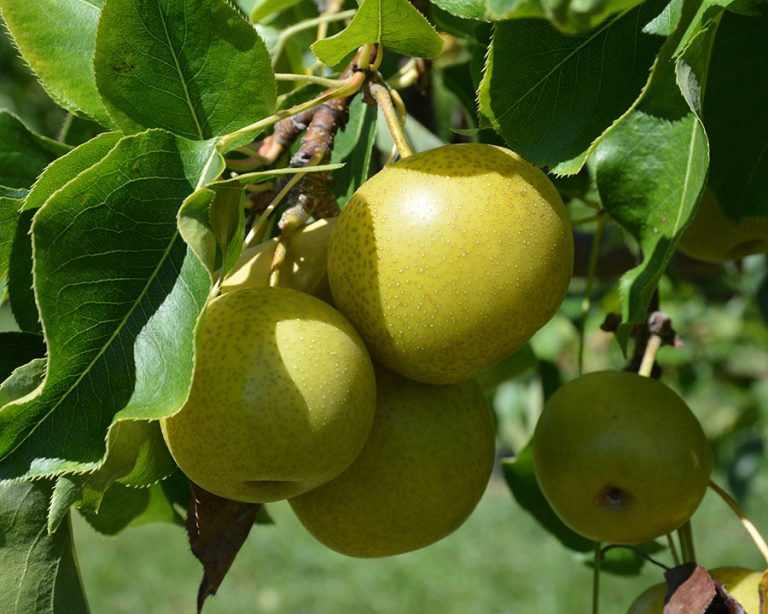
(501, 560)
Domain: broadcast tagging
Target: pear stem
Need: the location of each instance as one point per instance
(649, 356)
(383, 98)
(685, 535)
(673, 550)
(749, 526)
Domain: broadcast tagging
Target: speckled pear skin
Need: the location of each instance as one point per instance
(450, 260)
(282, 399)
(304, 267)
(421, 474)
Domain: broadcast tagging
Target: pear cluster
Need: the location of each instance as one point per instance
(351, 393)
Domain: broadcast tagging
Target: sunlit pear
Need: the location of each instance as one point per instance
(451, 259)
(620, 458)
(282, 398)
(742, 584)
(304, 267)
(422, 472)
(713, 237)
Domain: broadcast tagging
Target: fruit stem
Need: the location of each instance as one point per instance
(758, 539)
(685, 535)
(649, 356)
(395, 124)
(596, 579)
(256, 233)
(586, 302)
(325, 82)
(673, 550)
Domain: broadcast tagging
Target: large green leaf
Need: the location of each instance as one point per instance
(38, 571)
(57, 38)
(56, 175)
(119, 294)
(735, 115)
(195, 68)
(395, 24)
(652, 167)
(551, 96)
(23, 154)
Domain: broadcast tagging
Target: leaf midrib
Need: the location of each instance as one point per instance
(187, 97)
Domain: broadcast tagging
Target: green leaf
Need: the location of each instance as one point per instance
(38, 571)
(124, 507)
(23, 380)
(735, 116)
(552, 96)
(56, 175)
(356, 145)
(212, 222)
(20, 292)
(652, 167)
(491, 10)
(23, 154)
(64, 169)
(57, 39)
(521, 479)
(395, 24)
(264, 8)
(119, 295)
(197, 69)
(136, 457)
(569, 16)
(578, 16)
(17, 349)
(9, 217)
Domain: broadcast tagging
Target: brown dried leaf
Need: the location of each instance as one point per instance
(691, 590)
(217, 529)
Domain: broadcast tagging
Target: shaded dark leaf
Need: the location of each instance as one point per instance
(217, 529)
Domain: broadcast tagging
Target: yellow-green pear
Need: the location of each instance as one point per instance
(451, 259)
(713, 237)
(742, 584)
(420, 475)
(282, 398)
(620, 458)
(304, 267)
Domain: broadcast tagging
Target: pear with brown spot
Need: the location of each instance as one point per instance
(620, 458)
(282, 398)
(450, 260)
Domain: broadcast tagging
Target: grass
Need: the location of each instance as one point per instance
(500, 560)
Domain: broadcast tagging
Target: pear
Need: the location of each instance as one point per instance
(713, 237)
(282, 398)
(421, 473)
(304, 267)
(620, 458)
(451, 259)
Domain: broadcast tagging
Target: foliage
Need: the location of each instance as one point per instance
(128, 195)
